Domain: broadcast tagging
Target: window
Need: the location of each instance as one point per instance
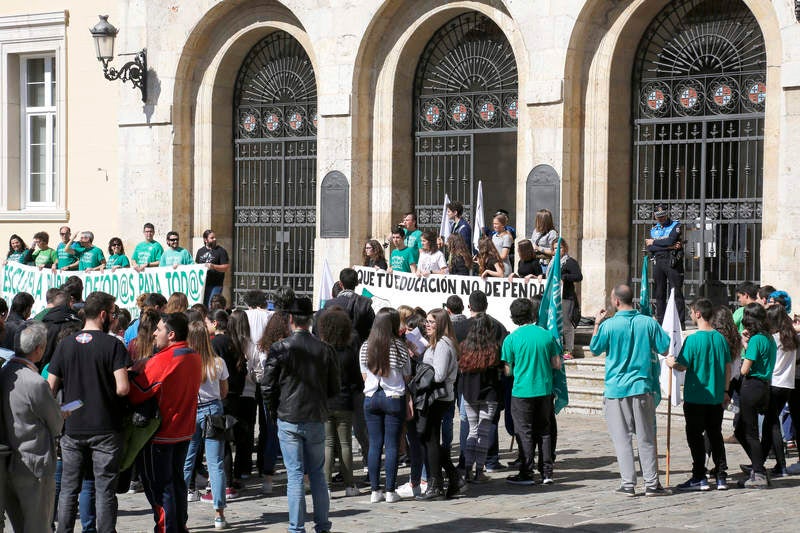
(38, 77)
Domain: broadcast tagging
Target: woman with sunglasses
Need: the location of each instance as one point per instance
(116, 255)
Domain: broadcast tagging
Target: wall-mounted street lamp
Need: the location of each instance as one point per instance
(104, 34)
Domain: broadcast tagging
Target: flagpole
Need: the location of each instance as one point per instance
(669, 423)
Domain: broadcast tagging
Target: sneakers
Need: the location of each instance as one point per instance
(352, 491)
(480, 477)
(220, 523)
(547, 480)
(722, 483)
(376, 496)
(694, 484)
(568, 356)
(777, 471)
(337, 478)
(521, 479)
(794, 469)
(626, 491)
(135, 486)
(207, 497)
(407, 491)
(231, 494)
(658, 490)
(747, 469)
(391, 497)
(755, 481)
(266, 487)
(496, 467)
(193, 496)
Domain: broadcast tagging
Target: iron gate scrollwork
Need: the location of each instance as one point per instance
(466, 83)
(699, 95)
(275, 153)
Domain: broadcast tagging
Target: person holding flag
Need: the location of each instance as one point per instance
(706, 358)
(631, 342)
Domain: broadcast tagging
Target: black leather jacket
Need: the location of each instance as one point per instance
(300, 374)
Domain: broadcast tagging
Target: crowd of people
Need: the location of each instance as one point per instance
(93, 404)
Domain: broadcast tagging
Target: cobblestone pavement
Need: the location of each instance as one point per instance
(582, 498)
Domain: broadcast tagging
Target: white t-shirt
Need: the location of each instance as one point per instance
(258, 319)
(428, 262)
(399, 366)
(783, 373)
(209, 389)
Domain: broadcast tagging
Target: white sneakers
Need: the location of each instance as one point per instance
(407, 491)
(193, 496)
(392, 497)
(376, 496)
(352, 491)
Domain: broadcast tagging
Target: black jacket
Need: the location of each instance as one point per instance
(300, 374)
(14, 323)
(55, 320)
(350, 380)
(359, 308)
(570, 275)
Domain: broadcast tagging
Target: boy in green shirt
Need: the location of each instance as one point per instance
(706, 358)
(403, 258)
(746, 293)
(148, 252)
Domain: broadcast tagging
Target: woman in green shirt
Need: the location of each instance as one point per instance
(40, 254)
(17, 249)
(758, 361)
(116, 255)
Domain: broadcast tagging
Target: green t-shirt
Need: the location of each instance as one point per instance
(45, 258)
(16, 257)
(178, 256)
(64, 258)
(401, 260)
(88, 257)
(705, 354)
(528, 351)
(762, 350)
(118, 260)
(147, 252)
(738, 315)
(631, 342)
(413, 240)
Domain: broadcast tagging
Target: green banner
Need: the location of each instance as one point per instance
(126, 284)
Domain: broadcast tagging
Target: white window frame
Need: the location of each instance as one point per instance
(25, 37)
(50, 112)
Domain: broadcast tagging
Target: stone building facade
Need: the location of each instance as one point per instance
(297, 129)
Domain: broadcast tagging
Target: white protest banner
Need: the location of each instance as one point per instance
(398, 288)
(124, 283)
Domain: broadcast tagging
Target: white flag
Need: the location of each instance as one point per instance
(444, 228)
(326, 285)
(477, 223)
(672, 326)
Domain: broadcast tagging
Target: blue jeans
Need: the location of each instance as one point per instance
(384, 424)
(267, 441)
(215, 454)
(86, 505)
(303, 449)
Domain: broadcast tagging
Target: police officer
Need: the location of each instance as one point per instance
(665, 247)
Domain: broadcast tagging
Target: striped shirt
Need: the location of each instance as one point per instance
(399, 367)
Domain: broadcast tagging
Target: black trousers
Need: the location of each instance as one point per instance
(665, 277)
(532, 418)
(794, 408)
(754, 400)
(702, 418)
(771, 436)
(436, 455)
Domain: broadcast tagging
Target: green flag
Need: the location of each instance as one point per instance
(551, 318)
(644, 293)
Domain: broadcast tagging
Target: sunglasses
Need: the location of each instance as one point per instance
(172, 240)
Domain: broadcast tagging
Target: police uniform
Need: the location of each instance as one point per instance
(664, 271)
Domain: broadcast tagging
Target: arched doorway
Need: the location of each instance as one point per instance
(275, 149)
(699, 90)
(465, 119)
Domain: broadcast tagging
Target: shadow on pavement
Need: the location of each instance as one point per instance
(495, 525)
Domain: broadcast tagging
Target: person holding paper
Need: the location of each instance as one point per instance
(706, 358)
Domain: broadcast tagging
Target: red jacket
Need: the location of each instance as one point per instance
(173, 375)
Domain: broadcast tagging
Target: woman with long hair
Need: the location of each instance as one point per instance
(782, 385)
(489, 262)
(17, 249)
(543, 237)
(459, 260)
(336, 329)
(479, 382)
(177, 303)
(141, 347)
(503, 241)
(116, 255)
(243, 406)
(213, 389)
(442, 355)
(528, 266)
(431, 259)
(758, 362)
(373, 255)
(385, 367)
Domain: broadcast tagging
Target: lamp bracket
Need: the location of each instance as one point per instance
(134, 71)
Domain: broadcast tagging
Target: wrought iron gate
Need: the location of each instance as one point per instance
(699, 90)
(466, 83)
(275, 152)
